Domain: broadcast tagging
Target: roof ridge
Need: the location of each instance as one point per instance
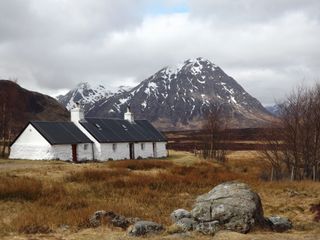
(38, 121)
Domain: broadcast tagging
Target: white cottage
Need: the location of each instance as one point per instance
(89, 139)
(52, 140)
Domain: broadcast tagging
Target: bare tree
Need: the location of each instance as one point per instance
(5, 124)
(214, 141)
(297, 151)
(272, 152)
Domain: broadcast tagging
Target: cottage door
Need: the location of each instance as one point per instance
(74, 153)
(154, 145)
(131, 149)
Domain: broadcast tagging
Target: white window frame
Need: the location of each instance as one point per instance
(85, 146)
(142, 146)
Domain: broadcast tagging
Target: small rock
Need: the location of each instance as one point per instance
(95, 219)
(64, 227)
(187, 224)
(141, 228)
(178, 214)
(110, 217)
(279, 224)
(208, 228)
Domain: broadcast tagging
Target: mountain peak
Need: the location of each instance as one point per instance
(193, 65)
(198, 60)
(87, 85)
(180, 95)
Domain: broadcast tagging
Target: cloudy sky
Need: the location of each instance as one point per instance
(268, 46)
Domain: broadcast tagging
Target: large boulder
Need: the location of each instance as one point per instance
(208, 228)
(232, 206)
(142, 228)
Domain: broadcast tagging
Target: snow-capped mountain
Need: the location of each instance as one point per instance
(178, 97)
(87, 95)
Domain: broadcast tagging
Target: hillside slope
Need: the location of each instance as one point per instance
(22, 105)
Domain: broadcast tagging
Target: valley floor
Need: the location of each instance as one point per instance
(53, 200)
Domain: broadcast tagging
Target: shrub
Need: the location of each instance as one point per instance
(34, 229)
(315, 208)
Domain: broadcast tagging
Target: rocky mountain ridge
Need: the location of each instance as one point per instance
(179, 97)
(87, 95)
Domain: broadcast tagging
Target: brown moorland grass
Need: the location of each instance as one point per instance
(19, 188)
(41, 200)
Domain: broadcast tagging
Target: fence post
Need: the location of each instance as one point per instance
(292, 174)
(271, 178)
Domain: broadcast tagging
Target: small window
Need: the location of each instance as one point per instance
(114, 147)
(142, 146)
(85, 146)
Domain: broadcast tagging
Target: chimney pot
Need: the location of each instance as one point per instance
(129, 115)
(77, 113)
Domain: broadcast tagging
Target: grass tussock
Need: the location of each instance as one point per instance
(20, 188)
(93, 175)
(142, 164)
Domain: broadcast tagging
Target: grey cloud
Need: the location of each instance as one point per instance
(57, 40)
(252, 11)
(51, 45)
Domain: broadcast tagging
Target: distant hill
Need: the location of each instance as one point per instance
(23, 105)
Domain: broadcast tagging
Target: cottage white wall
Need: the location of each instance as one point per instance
(31, 145)
(161, 149)
(121, 151)
(146, 152)
(64, 152)
(31, 152)
(84, 154)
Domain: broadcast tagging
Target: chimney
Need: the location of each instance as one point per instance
(77, 113)
(129, 115)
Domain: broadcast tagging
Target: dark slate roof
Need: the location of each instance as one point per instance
(118, 130)
(60, 132)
